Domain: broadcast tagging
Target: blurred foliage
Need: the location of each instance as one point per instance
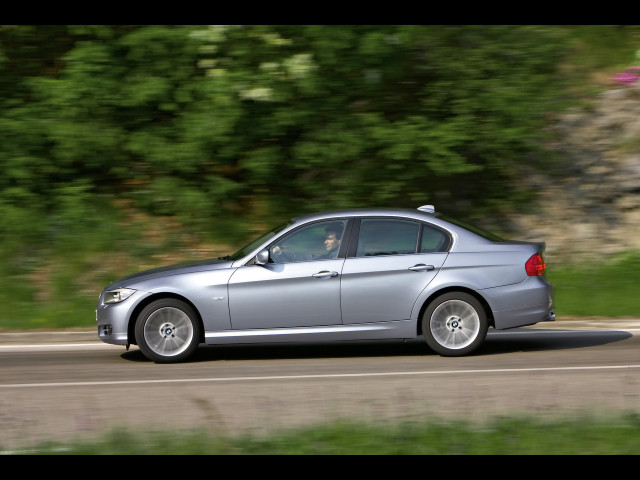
(199, 122)
(228, 129)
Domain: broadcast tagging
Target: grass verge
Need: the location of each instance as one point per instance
(607, 288)
(501, 436)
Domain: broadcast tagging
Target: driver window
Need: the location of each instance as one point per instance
(319, 241)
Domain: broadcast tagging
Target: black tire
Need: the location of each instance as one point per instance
(455, 324)
(168, 330)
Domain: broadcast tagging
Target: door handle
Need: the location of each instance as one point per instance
(325, 274)
(421, 267)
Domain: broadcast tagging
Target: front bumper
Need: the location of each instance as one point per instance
(113, 320)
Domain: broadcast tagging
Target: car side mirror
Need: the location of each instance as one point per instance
(262, 257)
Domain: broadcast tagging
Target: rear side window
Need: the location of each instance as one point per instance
(434, 240)
(387, 237)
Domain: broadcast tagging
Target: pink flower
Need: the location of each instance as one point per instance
(628, 77)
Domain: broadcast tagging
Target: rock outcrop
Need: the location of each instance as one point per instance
(591, 205)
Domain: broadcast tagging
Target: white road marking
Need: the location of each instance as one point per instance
(560, 330)
(55, 346)
(99, 345)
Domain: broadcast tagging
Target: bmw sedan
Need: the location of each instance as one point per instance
(345, 275)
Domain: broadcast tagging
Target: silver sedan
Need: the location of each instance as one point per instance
(346, 275)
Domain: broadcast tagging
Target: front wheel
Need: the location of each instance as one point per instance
(168, 330)
(455, 324)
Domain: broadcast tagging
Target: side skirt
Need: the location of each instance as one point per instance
(401, 329)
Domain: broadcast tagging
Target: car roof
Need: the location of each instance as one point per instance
(365, 212)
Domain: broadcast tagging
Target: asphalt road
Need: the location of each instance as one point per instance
(65, 385)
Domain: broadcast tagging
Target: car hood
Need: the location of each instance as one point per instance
(177, 269)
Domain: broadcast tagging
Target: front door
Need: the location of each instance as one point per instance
(299, 288)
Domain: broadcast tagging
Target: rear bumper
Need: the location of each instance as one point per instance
(525, 303)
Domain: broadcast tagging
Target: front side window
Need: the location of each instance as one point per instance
(387, 237)
(319, 241)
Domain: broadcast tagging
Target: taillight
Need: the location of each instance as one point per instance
(535, 265)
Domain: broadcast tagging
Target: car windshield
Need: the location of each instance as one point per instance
(244, 251)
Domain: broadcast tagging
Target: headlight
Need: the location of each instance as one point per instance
(117, 295)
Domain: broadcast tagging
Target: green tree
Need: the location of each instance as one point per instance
(200, 122)
(335, 116)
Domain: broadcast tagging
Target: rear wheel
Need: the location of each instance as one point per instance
(455, 324)
(168, 330)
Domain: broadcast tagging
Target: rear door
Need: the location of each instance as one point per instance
(391, 263)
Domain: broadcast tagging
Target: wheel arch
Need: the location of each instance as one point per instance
(131, 327)
(442, 291)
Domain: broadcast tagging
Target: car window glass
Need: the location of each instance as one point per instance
(386, 237)
(255, 243)
(433, 240)
(319, 241)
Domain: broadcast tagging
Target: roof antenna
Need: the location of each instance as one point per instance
(427, 208)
